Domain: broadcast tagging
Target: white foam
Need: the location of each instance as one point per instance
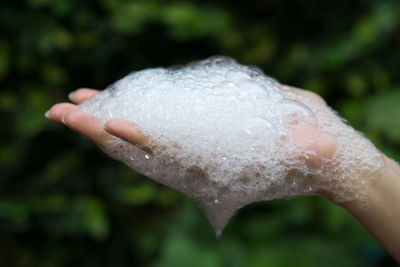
(221, 133)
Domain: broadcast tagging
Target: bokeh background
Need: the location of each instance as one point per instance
(64, 203)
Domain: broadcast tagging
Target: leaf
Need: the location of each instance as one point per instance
(138, 194)
(94, 218)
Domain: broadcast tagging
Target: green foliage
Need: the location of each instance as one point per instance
(63, 203)
(383, 114)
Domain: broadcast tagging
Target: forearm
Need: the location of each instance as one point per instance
(381, 216)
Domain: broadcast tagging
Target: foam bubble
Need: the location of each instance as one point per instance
(221, 133)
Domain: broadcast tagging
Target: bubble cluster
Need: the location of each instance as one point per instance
(222, 133)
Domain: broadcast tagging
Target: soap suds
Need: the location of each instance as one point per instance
(221, 133)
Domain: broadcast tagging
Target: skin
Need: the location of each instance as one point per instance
(381, 217)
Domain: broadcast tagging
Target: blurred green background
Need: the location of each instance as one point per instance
(64, 203)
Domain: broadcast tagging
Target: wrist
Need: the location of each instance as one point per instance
(381, 213)
(368, 185)
(383, 187)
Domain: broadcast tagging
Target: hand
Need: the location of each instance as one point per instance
(380, 218)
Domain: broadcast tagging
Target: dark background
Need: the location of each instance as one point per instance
(64, 203)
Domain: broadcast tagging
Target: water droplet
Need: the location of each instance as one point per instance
(131, 158)
(147, 156)
(218, 233)
(224, 158)
(216, 201)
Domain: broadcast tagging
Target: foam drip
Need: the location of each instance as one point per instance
(221, 133)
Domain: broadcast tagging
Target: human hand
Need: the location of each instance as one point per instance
(379, 218)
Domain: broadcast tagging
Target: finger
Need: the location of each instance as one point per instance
(82, 95)
(127, 131)
(87, 126)
(59, 110)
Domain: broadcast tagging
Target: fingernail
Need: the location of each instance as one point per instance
(70, 95)
(46, 114)
(62, 120)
